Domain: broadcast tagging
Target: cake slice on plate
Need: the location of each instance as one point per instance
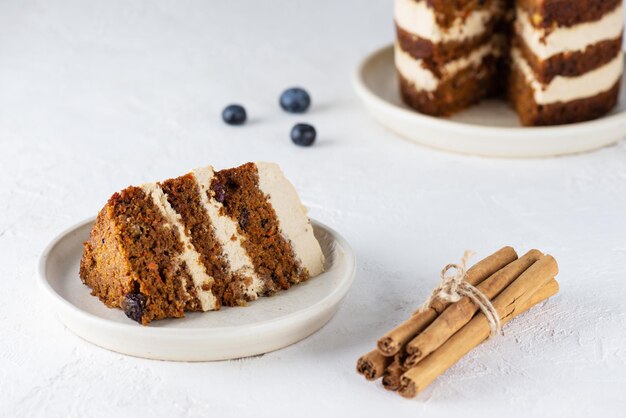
(200, 241)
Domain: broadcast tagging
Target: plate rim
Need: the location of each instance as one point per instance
(54, 298)
(509, 133)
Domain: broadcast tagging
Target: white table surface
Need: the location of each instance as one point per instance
(98, 95)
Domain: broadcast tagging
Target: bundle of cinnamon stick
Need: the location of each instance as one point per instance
(412, 355)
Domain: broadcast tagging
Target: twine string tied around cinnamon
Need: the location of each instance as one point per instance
(453, 287)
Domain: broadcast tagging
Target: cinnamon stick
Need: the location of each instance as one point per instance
(460, 313)
(392, 375)
(390, 343)
(395, 339)
(529, 289)
(373, 364)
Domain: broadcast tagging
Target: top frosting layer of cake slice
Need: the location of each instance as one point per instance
(199, 241)
(291, 214)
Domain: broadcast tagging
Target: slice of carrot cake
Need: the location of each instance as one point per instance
(200, 241)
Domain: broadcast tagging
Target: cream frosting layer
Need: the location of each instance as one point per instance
(545, 44)
(417, 18)
(566, 89)
(189, 254)
(225, 229)
(292, 217)
(422, 78)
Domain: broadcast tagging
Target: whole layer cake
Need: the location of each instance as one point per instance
(200, 241)
(557, 61)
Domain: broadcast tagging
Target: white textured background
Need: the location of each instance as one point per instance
(98, 95)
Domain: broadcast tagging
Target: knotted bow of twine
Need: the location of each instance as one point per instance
(453, 287)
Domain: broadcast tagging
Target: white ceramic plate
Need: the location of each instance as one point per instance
(489, 129)
(264, 325)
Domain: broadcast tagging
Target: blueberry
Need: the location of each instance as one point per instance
(133, 305)
(303, 134)
(295, 100)
(219, 191)
(234, 114)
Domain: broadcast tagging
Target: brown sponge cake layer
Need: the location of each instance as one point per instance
(521, 96)
(571, 64)
(272, 255)
(441, 53)
(131, 232)
(464, 89)
(103, 268)
(548, 13)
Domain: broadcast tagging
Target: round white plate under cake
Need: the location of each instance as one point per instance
(490, 128)
(264, 325)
